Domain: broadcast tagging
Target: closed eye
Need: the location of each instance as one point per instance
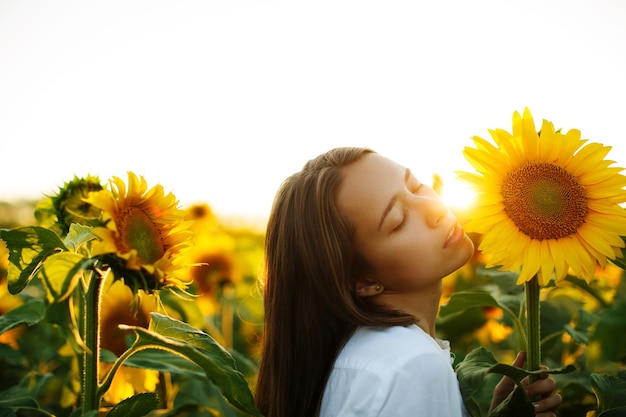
(405, 215)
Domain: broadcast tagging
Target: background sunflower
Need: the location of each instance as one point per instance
(144, 234)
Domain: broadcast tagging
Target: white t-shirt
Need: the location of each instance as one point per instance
(393, 372)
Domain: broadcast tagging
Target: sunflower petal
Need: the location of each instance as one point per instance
(558, 257)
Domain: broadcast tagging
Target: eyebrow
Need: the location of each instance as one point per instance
(392, 201)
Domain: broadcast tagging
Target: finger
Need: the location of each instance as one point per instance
(526, 382)
(548, 404)
(520, 360)
(541, 387)
(507, 384)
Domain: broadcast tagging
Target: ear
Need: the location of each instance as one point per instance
(368, 288)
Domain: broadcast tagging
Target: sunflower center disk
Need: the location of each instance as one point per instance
(544, 200)
(140, 233)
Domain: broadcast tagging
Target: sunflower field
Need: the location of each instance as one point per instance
(115, 301)
(170, 342)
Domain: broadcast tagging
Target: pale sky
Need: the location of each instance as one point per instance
(220, 100)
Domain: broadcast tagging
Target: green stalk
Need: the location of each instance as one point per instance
(533, 355)
(91, 355)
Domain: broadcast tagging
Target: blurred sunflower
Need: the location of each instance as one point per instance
(129, 381)
(545, 202)
(69, 206)
(144, 236)
(117, 308)
(214, 254)
(494, 330)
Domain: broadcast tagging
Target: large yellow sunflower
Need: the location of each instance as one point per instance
(546, 201)
(145, 233)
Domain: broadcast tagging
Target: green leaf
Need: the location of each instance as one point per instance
(463, 300)
(584, 286)
(197, 346)
(517, 374)
(28, 248)
(79, 413)
(584, 322)
(61, 273)
(578, 336)
(158, 360)
(24, 394)
(473, 407)
(19, 402)
(7, 412)
(29, 313)
(11, 357)
(480, 362)
(610, 390)
(136, 406)
(610, 333)
(614, 412)
(200, 398)
(31, 386)
(515, 405)
(77, 235)
(473, 369)
(506, 281)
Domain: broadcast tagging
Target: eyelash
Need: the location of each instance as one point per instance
(405, 213)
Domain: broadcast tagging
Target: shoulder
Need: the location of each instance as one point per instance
(388, 355)
(398, 369)
(388, 346)
(402, 335)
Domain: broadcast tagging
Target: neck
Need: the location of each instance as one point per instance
(423, 304)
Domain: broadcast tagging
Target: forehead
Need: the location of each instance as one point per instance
(367, 186)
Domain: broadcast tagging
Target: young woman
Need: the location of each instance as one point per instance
(356, 250)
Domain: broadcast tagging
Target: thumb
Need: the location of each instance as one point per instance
(506, 384)
(520, 360)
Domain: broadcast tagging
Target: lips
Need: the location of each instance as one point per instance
(454, 234)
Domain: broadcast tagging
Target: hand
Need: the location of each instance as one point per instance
(543, 387)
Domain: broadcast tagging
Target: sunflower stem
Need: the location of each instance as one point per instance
(533, 356)
(91, 355)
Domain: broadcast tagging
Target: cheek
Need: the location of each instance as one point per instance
(408, 257)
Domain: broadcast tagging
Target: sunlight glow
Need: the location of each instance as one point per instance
(457, 195)
(220, 101)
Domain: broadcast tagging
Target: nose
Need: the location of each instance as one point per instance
(433, 210)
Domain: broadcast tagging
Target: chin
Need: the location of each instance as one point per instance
(467, 251)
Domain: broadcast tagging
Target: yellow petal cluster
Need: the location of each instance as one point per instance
(146, 230)
(547, 202)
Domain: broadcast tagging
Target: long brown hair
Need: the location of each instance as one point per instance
(311, 307)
